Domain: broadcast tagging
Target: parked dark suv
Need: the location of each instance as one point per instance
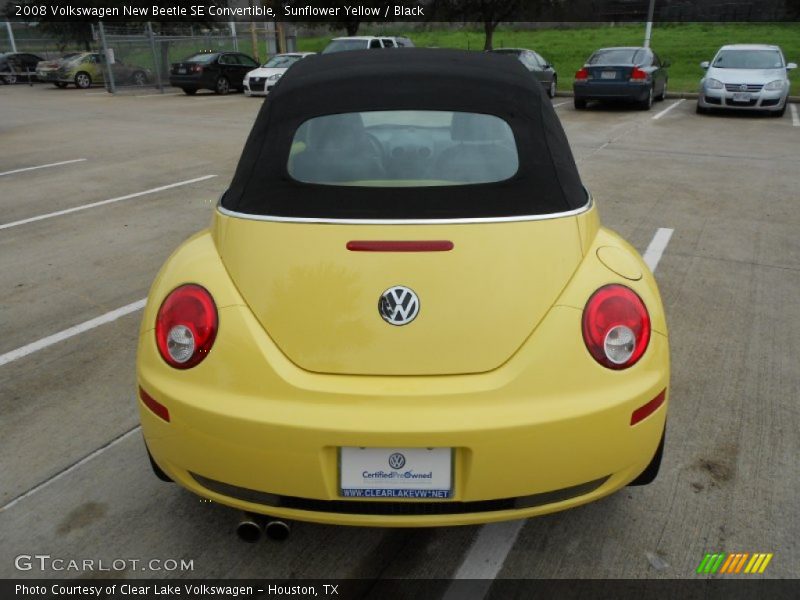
(217, 71)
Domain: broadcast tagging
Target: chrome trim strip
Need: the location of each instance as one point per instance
(325, 220)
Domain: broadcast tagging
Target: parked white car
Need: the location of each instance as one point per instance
(260, 81)
(366, 42)
(746, 77)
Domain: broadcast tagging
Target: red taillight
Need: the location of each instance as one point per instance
(616, 326)
(582, 74)
(186, 326)
(638, 75)
(154, 405)
(197, 68)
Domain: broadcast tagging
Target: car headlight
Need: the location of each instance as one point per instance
(774, 85)
(274, 77)
(714, 84)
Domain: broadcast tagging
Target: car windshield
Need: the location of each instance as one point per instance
(404, 148)
(748, 59)
(618, 56)
(344, 45)
(201, 58)
(281, 61)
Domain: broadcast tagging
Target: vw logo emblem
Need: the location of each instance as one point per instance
(398, 305)
(397, 461)
(743, 87)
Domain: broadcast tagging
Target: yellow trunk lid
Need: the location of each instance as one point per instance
(478, 302)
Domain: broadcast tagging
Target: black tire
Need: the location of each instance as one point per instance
(648, 103)
(651, 471)
(10, 78)
(551, 91)
(189, 91)
(663, 95)
(580, 103)
(779, 113)
(139, 78)
(83, 81)
(157, 470)
(222, 86)
(60, 84)
(700, 110)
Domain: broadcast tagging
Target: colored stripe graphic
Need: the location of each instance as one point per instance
(734, 563)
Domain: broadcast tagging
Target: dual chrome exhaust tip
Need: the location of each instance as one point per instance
(252, 527)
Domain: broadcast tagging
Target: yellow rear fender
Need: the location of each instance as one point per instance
(610, 259)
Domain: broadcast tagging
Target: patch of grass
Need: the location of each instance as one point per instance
(683, 45)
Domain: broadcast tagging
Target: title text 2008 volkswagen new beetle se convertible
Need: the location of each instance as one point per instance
(405, 311)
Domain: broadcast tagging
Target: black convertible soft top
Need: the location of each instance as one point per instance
(546, 182)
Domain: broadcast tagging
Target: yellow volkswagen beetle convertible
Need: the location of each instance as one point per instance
(405, 311)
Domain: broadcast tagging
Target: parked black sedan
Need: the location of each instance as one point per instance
(631, 74)
(218, 71)
(541, 69)
(17, 66)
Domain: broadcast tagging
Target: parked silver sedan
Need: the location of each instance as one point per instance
(746, 77)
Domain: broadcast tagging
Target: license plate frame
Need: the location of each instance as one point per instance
(608, 74)
(741, 97)
(370, 472)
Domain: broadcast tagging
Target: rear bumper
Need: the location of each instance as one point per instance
(529, 438)
(597, 90)
(191, 82)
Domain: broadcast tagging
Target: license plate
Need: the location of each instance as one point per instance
(396, 473)
(741, 97)
(181, 71)
(608, 75)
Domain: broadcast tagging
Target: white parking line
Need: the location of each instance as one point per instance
(67, 211)
(666, 110)
(652, 256)
(795, 116)
(494, 541)
(55, 164)
(70, 468)
(560, 104)
(65, 334)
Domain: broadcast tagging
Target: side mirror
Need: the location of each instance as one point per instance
(791, 66)
(704, 64)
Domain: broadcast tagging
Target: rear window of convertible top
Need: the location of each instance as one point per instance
(403, 148)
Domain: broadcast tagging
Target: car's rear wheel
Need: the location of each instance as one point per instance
(647, 103)
(139, 78)
(580, 103)
(552, 89)
(10, 78)
(189, 91)
(651, 471)
(223, 86)
(157, 470)
(663, 95)
(83, 80)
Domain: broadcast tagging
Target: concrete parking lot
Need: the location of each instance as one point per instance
(133, 176)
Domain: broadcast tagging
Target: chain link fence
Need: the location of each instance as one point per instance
(130, 57)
